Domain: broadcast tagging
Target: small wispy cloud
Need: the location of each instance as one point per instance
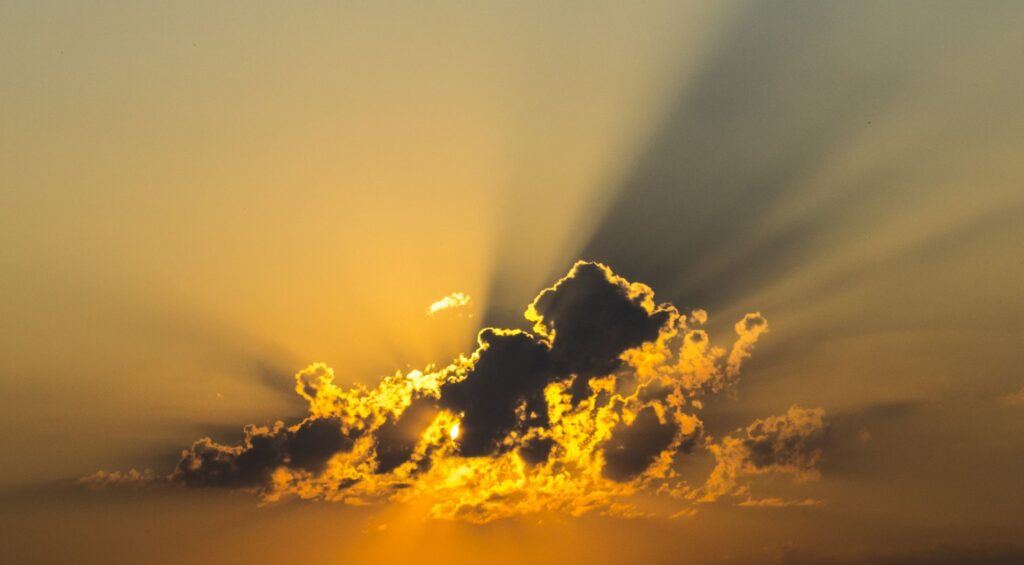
(1015, 398)
(773, 502)
(133, 479)
(453, 300)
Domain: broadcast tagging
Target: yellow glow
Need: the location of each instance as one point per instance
(454, 431)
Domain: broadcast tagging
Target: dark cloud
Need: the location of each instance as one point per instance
(306, 446)
(536, 450)
(593, 317)
(210, 464)
(513, 368)
(397, 437)
(632, 448)
(788, 443)
(792, 441)
(586, 321)
(603, 387)
(314, 441)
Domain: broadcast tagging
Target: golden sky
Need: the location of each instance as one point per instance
(795, 336)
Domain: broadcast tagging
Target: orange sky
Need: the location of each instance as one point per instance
(199, 200)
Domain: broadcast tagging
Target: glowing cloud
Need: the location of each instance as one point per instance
(453, 300)
(597, 405)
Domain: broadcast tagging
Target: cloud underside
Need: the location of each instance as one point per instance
(596, 404)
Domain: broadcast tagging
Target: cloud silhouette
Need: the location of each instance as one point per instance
(594, 406)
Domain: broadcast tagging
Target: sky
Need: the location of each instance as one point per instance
(751, 272)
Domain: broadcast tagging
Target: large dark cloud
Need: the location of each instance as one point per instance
(589, 318)
(582, 326)
(594, 320)
(513, 368)
(594, 317)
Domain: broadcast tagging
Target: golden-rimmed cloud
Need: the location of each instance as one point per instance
(596, 405)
